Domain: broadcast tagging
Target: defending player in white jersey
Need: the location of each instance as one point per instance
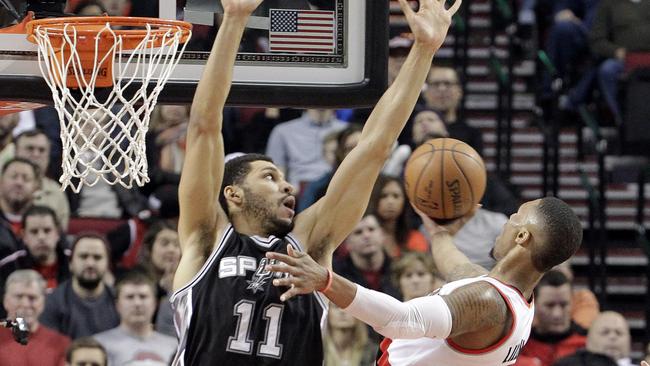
(478, 318)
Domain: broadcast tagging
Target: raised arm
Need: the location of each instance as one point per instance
(471, 308)
(324, 225)
(201, 217)
(451, 263)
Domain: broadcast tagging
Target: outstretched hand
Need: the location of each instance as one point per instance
(431, 22)
(239, 7)
(306, 276)
(643, 363)
(452, 227)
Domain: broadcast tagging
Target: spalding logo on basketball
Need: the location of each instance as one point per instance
(445, 178)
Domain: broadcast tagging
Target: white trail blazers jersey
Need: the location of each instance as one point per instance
(444, 352)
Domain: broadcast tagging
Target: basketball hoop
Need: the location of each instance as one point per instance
(105, 139)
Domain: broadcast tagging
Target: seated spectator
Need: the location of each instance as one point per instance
(367, 263)
(296, 146)
(619, 27)
(346, 140)
(89, 8)
(554, 335)
(585, 306)
(86, 352)
(477, 237)
(134, 340)
(44, 249)
(388, 204)
(7, 125)
(35, 146)
(568, 44)
(168, 127)
(427, 124)
(415, 275)
(18, 184)
(443, 94)
(117, 7)
(160, 258)
(608, 344)
(24, 297)
(346, 340)
(83, 305)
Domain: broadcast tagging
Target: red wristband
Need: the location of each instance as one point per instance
(330, 277)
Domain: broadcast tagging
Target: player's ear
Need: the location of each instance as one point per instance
(523, 237)
(233, 194)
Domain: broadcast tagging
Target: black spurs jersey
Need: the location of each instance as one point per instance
(231, 314)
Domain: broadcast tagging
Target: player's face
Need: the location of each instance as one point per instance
(89, 262)
(24, 300)
(443, 91)
(35, 149)
(506, 240)
(367, 238)
(18, 185)
(136, 304)
(610, 335)
(391, 201)
(40, 236)
(269, 198)
(553, 309)
(416, 281)
(166, 250)
(428, 123)
(87, 357)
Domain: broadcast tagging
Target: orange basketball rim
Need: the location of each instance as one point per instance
(95, 40)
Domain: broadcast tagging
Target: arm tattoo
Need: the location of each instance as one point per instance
(475, 307)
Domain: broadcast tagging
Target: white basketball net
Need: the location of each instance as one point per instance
(106, 139)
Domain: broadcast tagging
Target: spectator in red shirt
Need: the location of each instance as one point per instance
(554, 334)
(25, 297)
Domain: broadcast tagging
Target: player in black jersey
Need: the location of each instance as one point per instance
(227, 311)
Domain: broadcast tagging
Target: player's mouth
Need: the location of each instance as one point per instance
(289, 205)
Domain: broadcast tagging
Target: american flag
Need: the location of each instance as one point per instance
(304, 31)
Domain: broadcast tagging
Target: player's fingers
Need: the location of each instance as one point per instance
(281, 257)
(289, 294)
(282, 268)
(282, 282)
(454, 8)
(406, 8)
(294, 253)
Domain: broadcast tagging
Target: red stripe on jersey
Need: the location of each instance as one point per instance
(383, 348)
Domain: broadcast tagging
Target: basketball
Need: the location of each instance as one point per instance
(445, 178)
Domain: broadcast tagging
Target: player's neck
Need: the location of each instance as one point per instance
(451, 116)
(248, 227)
(514, 271)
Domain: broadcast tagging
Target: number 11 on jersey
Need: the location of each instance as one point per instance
(241, 342)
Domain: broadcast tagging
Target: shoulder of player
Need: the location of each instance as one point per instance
(476, 306)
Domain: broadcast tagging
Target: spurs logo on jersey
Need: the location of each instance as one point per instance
(241, 265)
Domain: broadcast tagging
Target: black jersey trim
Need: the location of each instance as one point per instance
(265, 242)
(206, 266)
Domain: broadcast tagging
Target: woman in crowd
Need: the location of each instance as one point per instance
(346, 340)
(388, 204)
